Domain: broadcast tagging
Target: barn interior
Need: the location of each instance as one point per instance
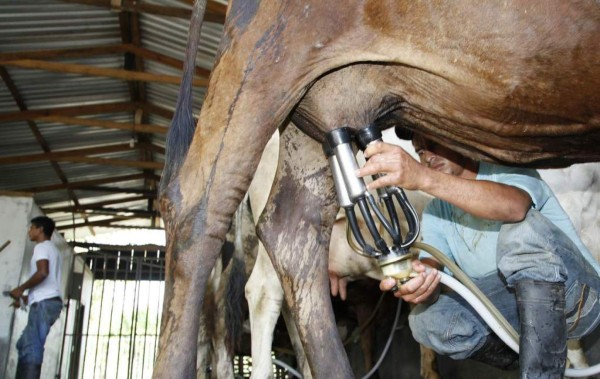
(88, 91)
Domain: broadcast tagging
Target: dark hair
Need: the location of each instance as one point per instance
(46, 223)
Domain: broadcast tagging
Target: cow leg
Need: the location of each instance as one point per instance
(186, 275)
(295, 229)
(204, 356)
(363, 312)
(265, 296)
(303, 366)
(428, 365)
(575, 354)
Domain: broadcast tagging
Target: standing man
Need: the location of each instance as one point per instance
(44, 298)
(505, 229)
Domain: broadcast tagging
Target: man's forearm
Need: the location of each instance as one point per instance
(35, 279)
(484, 199)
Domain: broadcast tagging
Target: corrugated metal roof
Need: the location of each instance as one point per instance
(48, 83)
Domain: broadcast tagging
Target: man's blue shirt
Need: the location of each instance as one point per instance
(471, 241)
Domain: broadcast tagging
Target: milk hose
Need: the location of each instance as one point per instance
(496, 321)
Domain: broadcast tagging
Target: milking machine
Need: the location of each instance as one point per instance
(394, 256)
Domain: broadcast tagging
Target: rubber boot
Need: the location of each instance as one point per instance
(496, 353)
(543, 344)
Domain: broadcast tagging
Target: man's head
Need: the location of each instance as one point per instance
(442, 159)
(41, 228)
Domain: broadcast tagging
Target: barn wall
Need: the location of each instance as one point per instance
(15, 213)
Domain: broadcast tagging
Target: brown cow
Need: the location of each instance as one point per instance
(511, 81)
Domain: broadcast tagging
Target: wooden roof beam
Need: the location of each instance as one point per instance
(215, 12)
(57, 155)
(83, 52)
(80, 69)
(77, 110)
(113, 162)
(71, 208)
(115, 211)
(106, 124)
(98, 222)
(119, 190)
(105, 223)
(75, 185)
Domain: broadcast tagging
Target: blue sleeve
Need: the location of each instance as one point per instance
(526, 179)
(433, 228)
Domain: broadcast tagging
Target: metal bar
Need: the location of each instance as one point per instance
(100, 313)
(68, 296)
(161, 296)
(147, 312)
(112, 306)
(134, 315)
(122, 313)
(93, 267)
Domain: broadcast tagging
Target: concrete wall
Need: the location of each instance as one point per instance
(15, 213)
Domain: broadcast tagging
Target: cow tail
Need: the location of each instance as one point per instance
(244, 239)
(235, 305)
(181, 130)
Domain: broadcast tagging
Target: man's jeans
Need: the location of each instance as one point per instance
(533, 249)
(42, 315)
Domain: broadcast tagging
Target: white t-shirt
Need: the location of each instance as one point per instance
(49, 287)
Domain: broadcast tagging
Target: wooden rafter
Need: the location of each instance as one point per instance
(72, 68)
(58, 155)
(74, 185)
(80, 110)
(76, 110)
(99, 50)
(144, 124)
(97, 204)
(115, 211)
(135, 128)
(139, 191)
(107, 223)
(215, 12)
(38, 135)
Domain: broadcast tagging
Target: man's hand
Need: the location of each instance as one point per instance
(422, 288)
(399, 167)
(337, 285)
(16, 304)
(16, 293)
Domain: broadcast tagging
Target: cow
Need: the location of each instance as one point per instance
(514, 82)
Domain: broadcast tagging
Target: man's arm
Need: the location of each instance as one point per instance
(484, 199)
(480, 198)
(39, 276)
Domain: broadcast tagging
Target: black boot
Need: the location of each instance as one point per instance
(495, 353)
(543, 345)
(28, 371)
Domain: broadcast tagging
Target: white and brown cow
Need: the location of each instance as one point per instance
(511, 81)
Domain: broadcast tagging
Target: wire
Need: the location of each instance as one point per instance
(287, 367)
(387, 344)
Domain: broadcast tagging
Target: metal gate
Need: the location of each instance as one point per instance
(114, 313)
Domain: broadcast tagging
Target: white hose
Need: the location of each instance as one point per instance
(287, 367)
(498, 329)
(481, 310)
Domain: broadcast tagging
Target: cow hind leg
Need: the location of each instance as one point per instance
(295, 229)
(264, 296)
(187, 270)
(303, 367)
